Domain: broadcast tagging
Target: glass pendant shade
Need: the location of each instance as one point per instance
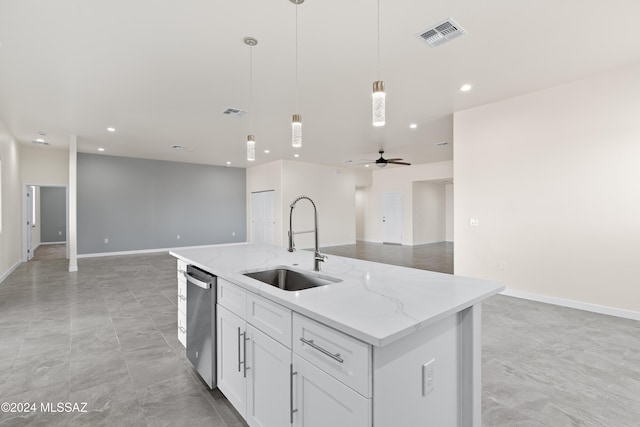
(296, 131)
(251, 148)
(378, 103)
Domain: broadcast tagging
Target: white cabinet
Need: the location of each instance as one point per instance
(182, 302)
(268, 384)
(231, 358)
(253, 367)
(321, 400)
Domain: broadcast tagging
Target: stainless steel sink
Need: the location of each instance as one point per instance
(291, 280)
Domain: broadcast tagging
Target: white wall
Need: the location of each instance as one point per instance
(429, 213)
(332, 189)
(11, 193)
(449, 212)
(362, 194)
(554, 180)
(45, 166)
(399, 179)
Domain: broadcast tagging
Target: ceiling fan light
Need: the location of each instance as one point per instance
(378, 103)
(251, 148)
(381, 165)
(296, 131)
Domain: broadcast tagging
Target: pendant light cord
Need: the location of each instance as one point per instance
(297, 57)
(250, 89)
(378, 39)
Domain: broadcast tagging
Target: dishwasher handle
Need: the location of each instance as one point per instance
(197, 282)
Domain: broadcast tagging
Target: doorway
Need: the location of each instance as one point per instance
(45, 222)
(262, 217)
(392, 218)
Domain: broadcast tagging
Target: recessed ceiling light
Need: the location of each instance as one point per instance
(465, 87)
(296, 155)
(110, 129)
(40, 140)
(228, 163)
(366, 166)
(413, 125)
(267, 151)
(100, 149)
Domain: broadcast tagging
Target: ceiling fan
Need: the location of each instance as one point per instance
(382, 162)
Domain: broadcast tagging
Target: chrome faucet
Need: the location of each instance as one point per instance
(317, 256)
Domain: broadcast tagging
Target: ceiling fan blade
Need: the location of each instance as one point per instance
(393, 160)
(399, 163)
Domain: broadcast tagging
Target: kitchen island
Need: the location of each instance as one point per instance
(384, 346)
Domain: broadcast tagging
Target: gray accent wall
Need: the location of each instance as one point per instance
(53, 214)
(140, 204)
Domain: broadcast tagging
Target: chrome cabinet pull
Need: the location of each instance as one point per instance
(322, 350)
(246, 368)
(181, 329)
(239, 360)
(292, 410)
(182, 297)
(242, 342)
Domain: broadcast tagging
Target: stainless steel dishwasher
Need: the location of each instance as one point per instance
(201, 323)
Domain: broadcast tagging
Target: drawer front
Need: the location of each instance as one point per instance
(271, 318)
(182, 328)
(232, 297)
(182, 296)
(341, 356)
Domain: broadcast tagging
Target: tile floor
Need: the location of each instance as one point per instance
(45, 251)
(107, 336)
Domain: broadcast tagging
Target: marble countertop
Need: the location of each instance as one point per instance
(376, 303)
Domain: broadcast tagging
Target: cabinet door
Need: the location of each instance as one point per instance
(268, 384)
(321, 400)
(230, 341)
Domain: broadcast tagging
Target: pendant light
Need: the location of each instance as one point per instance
(378, 97)
(251, 140)
(296, 122)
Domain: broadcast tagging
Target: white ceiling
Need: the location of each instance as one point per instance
(162, 72)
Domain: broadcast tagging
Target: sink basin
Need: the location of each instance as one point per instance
(291, 280)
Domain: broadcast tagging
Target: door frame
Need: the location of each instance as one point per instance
(25, 212)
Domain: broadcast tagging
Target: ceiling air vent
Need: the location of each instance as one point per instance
(234, 112)
(441, 33)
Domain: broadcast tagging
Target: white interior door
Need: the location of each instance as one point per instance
(392, 218)
(262, 217)
(30, 194)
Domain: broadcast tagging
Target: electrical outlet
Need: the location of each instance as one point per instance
(473, 222)
(502, 264)
(428, 377)
(178, 237)
(59, 233)
(106, 241)
(233, 233)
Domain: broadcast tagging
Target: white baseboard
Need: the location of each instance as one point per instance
(611, 311)
(53, 243)
(328, 245)
(150, 251)
(9, 271)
